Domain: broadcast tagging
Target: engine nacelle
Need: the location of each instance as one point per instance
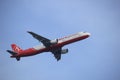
(64, 51)
(54, 41)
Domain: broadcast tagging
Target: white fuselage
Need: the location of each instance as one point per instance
(67, 39)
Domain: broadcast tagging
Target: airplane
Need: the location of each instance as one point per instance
(53, 46)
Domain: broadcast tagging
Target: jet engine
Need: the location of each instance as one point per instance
(54, 41)
(64, 51)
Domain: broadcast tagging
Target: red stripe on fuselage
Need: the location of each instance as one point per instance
(32, 51)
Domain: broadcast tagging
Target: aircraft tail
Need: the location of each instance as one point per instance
(15, 51)
(15, 48)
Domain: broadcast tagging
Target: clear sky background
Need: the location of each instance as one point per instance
(95, 58)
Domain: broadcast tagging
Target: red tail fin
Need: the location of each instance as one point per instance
(15, 48)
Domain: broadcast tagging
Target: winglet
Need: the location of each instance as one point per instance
(30, 32)
(33, 34)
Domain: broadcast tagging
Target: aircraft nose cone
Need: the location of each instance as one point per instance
(88, 34)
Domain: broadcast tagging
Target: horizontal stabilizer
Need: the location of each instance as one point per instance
(11, 52)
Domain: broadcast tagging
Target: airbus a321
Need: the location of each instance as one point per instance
(53, 46)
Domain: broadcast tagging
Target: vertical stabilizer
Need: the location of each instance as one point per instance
(15, 48)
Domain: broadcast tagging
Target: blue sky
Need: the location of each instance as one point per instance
(95, 58)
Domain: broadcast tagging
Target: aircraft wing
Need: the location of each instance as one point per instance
(44, 40)
(57, 53)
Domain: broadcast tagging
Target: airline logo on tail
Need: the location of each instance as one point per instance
(15, 48)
